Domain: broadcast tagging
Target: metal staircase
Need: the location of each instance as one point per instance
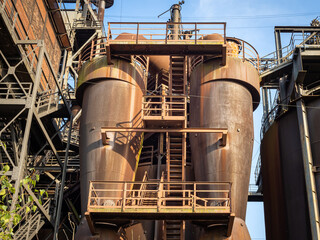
(30, 223)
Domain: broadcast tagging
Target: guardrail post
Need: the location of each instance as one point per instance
(224, 33)
(108, 33)
(124, 196)
(166, 40)
(230, 185)
(243, 54)
(137, 38)
(163, 106)
(194, 197)
(90, 194)
(195, 33)
(91, 51)
(159, 197)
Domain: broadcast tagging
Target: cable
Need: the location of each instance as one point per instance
(245, 17)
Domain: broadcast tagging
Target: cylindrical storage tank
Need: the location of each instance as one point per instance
(224, 97)
(282, 169)
(111, 96)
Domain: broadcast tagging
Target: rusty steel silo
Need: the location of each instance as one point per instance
(111, 96)
(225, 97)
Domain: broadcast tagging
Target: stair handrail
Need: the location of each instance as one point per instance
(143, 186)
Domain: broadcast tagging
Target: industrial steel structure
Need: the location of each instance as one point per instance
(290, 134)
(164, 112)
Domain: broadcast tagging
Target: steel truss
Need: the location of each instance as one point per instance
(37, 135)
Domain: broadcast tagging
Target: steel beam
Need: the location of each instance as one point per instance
(223, 131)
(36, 201)
(165, 130)
(24, 150)
(308, 173)
(44, 131)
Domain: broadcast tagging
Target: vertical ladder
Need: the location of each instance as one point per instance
(178, 75)
(176, 145)
(176, 148)
(176, 162)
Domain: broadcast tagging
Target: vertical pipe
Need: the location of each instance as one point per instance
(278, 46)
(265, 101)
(102, 6)
(175, 18)
(63, 178)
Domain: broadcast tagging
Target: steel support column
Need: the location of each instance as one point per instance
(24, 151)
(308, 165)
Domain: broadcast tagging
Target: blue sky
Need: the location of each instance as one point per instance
(250, 20)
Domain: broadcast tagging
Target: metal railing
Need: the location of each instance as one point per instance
(119, 196)
(285, 54)
(257, 170)
(235, 48)
(13, 90)
(146, 156)
(268, 119)
(239, 48)
(99, 47)
(164, 106)
(161, 33)
(30, 222)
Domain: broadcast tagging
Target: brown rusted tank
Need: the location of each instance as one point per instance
(284, 188)
(224, 97)
(111, 96)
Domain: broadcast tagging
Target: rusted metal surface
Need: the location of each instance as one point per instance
(285, 201)
(157, 63)
(112, 96)
(271, 169)
(239, 231)
(223, 97)
(120, 70)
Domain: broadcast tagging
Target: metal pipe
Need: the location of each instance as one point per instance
(278, 45)
(265, 101)
(63, 178)
(102, 6)
(175, 18)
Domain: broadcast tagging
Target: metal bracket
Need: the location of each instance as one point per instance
(15, 172)
(28, 102)
(230, 224)
(90, 223)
